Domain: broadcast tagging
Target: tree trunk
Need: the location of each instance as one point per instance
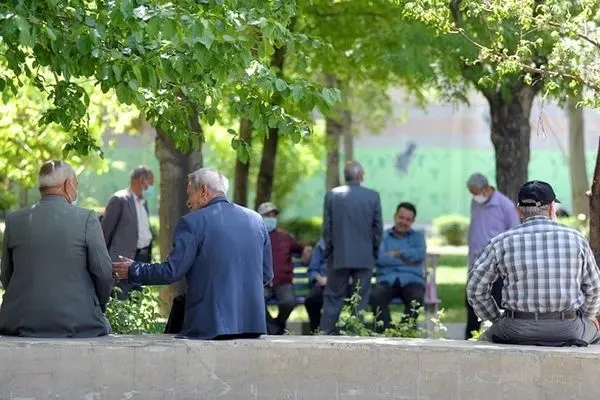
(511, 134)
(266, 171)
(174, 169)
(595, 209)
(338, 126)
(577, 169)
(242, 170)
(348, 136)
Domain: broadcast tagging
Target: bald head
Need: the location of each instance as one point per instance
(353, 172)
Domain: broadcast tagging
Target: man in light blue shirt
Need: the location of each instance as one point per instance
(399, 269)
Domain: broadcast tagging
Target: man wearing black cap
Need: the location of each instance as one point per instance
(551, 293)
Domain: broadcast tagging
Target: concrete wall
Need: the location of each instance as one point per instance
(291, 367)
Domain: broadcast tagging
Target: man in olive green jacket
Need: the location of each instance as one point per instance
(55, 267)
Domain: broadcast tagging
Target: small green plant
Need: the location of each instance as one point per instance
(137, 314)
(452, 228)
(352, 323)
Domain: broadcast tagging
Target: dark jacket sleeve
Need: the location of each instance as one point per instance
(315, 266)
(112, 214)
(267, 257)
(178, 263)
(377, 228)
(6, 269)
(327, 228)
(98, 260)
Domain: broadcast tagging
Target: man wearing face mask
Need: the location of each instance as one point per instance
(224, 252)
(126, 223)
(283, 246)
(492, 213)
(55, 267)
(551, 282)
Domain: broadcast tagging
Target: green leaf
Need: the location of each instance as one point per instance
(117, 71)
(206, 36)
(51, 34)
(127, 8)
(231, 132)
(330, 96)
(133, 84)
(280, 85)
(2, 84)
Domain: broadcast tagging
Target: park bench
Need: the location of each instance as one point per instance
(432, 302)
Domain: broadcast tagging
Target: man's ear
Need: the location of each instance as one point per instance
(520, 212)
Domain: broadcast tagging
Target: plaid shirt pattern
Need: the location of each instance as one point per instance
(546, 267)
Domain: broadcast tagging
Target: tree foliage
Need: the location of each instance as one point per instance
(551, 42)
(169, 59)
(23, 142)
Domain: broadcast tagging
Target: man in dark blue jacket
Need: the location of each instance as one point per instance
(224, 252)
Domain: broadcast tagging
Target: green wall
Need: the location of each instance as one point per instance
(435, 180)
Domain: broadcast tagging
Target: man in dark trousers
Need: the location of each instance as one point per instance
(352, 230)
(126, 223)
(283, 246)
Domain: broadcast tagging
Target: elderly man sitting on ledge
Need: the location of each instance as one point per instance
(551, 291)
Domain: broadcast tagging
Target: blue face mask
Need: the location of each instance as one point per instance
(270, 223)
(149, 191)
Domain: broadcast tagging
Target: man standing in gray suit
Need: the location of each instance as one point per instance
(55, 268)
(126, 224)
(352, 231)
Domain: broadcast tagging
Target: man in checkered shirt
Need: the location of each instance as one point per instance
(551, 292)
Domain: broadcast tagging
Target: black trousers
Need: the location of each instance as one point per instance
(142, 255)
(383, 294)
(473, 323)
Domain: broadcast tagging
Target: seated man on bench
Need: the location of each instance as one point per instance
(551, 282)
(283, 246)
(399, 269)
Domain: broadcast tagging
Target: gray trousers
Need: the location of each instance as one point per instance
(284, 294)
(579, 331)
(336, 292)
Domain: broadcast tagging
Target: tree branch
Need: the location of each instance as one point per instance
(579, 35)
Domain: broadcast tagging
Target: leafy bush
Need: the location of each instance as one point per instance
(452, 228)
(582, 225)
(306, 230)
(138, 314)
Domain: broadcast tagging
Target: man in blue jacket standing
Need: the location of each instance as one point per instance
(224, 251)
(400, 267)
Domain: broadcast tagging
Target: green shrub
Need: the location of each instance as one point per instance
(138, 314)
(582, 225)
(452, 228)
(306, 230)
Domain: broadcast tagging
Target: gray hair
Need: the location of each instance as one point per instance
(352, 170)
(54, 173)
(210, 177)
(140, 171)
(477, 181)
(529, 212)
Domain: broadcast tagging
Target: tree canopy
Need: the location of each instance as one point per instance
(169, 59)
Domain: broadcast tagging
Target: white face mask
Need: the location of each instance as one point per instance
(480, 199)
(74, 201)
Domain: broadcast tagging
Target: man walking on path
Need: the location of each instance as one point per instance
(492, 213)
(352, 230)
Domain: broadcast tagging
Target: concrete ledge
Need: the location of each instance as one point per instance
(292, 367)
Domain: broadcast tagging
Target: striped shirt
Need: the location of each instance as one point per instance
(545, 266)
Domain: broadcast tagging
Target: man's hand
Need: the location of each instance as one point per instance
(121, 268)
(322, 280)
(595, 321)
(394, 253)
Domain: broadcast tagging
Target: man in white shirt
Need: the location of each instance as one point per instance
(126, 224)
